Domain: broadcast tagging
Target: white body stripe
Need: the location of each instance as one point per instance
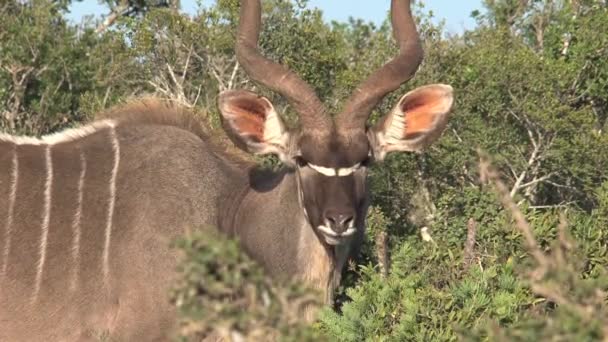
(11, 208)
(61, 137)
(46, 217)
(112, 201)
(76, 224)
(339, 172)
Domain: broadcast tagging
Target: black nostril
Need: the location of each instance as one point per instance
(348, 221)
(339, 222)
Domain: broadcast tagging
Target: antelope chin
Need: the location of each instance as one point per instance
(332, 238)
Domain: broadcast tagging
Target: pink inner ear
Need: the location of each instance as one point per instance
(248, 117)
(420, 112)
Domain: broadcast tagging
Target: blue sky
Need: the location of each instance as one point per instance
(455, 12)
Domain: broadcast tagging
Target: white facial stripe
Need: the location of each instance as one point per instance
(346, 171)
(328, 231)
(339, 172)
(350, 231)
(326, 171)
(332, 241)
(334, 238)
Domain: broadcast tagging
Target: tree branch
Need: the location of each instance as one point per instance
(469, 247)
(490, 175)
(233, 76)
(117, 12)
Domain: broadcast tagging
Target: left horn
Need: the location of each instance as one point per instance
(390, 76)
(302, 97)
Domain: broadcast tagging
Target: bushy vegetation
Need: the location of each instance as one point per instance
(457, 248)
(226, 295)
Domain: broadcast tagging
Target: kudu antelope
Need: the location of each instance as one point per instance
(86, 215)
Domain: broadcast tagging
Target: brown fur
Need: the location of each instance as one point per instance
(168, 181)
(155, 111)
(163, 112)
(153, 173)
(171, 178)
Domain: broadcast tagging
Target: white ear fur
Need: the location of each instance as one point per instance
(275, 134)
(253, 123)
(415, 122)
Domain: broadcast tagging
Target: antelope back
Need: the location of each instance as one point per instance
(86, 218)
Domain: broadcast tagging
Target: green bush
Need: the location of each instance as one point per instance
(223, 293)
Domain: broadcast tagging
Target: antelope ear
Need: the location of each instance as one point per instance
(252, 123)
(417, 120)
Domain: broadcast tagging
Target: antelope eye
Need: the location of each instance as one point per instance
(366, 162)
(301, 162)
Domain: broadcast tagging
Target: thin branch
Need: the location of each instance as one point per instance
(553, 206)
(187, 64)
(469, 247)
(117, 12)
(524, 173)
(180, 96)
(382, 253)
(158, 87)
(457, 136)
(222, 86)
(555, 296)
(198, 94)
(489, 174)
(557, 185)
(233, 76)
(537, 180)
(513, 172)
(106, 96)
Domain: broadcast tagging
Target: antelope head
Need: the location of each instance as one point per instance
(331, 156)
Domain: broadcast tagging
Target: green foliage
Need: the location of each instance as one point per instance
(224, 294)
(432, 293)
(44, 66)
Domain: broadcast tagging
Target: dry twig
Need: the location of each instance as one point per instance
(548, 265)
(469, 247)
(489, 174)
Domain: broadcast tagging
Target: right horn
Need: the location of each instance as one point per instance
(390, 76)
(302, 97)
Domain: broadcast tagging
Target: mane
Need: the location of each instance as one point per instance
(156, 111)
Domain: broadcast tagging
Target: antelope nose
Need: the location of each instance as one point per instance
(339, 222)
